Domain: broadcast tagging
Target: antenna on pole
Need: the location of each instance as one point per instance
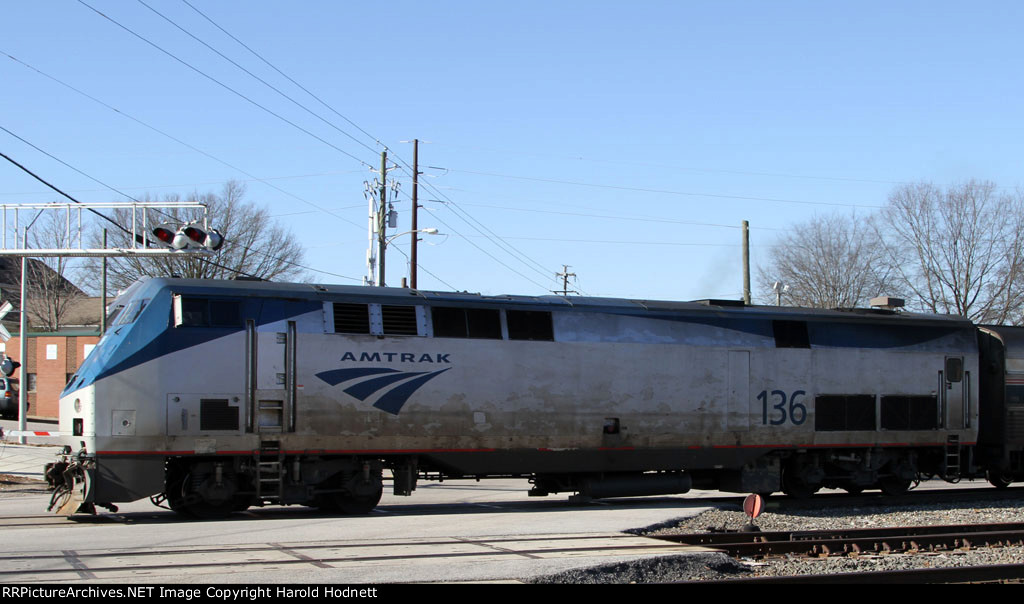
(565, 274)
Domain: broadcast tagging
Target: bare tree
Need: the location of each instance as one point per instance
(51, 293)
(254, 246)
(960, 250)
(828, 262)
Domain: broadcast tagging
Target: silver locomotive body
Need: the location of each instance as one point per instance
(213, 396)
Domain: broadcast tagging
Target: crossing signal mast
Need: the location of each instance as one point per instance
(165, 239)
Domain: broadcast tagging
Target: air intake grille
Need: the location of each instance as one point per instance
(351, 318)
(399, 320)
(217, 414)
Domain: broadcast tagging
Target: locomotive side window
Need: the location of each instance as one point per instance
(484, 323)
(192, 312)
(114, 313)
(131, 312)
(910, 413)
(225, 313)
(839, 412)
(351, 318)
(399, 320)
(206, 312)
(954, 369)
(791, 334)
(530, 325)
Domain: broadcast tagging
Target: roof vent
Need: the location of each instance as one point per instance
(886, 303)
(713, 302)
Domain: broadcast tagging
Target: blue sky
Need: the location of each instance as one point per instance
(628, 142)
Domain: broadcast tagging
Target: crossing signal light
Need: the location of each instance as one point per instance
(194, 233)
(164, 234)
(211, 239)
(214, 240)
(191, 236)
(8, 366)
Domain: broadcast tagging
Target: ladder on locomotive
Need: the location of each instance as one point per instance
(270, 471)
(952, 470)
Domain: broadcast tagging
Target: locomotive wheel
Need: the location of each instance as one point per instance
(359, 496)
(998, 479)
(205, 499)
(796, 487)
(348, 504)
(362, 504)
(892, 485)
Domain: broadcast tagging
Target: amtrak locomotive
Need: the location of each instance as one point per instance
(212, 396)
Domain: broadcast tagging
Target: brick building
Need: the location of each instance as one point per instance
(53, 357)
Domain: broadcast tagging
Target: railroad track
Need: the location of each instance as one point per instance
(171, 563)
(913, 497)
(857, 541)
(996, 573)
(53, 520)
(874, 541)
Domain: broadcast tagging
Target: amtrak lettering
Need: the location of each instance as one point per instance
(403, 357)
(397, 386)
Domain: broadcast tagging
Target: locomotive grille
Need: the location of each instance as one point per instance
(839, 412)
(910, 412)
(217, 414)
(399, 320)
(351, 318)
(1014, 423)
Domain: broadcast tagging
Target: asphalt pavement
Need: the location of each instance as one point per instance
(26, 460)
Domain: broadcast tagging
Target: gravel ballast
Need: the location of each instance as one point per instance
(706, 566)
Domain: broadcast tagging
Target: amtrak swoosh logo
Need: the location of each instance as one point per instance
(378, 379)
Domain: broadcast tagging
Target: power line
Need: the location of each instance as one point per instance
(465, 216)
(286, 76)
(200, 184)
(492, 239)
(611, 216)
(675, 167)
(225, 86)
(488, 254)
(620, 242)
(662, 191)
(179, 141)
(40, 179)
(261, 80)
(424, 269)
(120, 226)
(515, 253)
(323, 103)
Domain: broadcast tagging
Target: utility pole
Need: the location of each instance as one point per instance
(746, 262)
(103, 291)
(565, 274)
(23, 347)
(415, 208)
(382, 216)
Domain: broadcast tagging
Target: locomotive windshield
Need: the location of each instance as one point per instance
(122, 312)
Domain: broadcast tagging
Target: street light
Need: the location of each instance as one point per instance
(779, 289)
(430, 231)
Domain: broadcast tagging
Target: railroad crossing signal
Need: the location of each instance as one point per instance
(8, 367)
(189, 236)
(4, 309)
